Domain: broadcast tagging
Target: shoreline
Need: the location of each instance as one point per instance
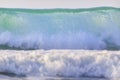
(3, 77)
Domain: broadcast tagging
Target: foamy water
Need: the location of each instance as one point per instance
(61, 63)
(75, 43)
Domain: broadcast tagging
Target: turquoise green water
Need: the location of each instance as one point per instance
(57, 10)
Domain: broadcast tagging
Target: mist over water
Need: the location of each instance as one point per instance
(97, 28)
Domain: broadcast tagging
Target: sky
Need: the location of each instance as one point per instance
(57, 3)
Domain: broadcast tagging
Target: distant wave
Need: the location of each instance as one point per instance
(57, 10)
(92, 28)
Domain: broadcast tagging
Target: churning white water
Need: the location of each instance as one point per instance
(61, 63)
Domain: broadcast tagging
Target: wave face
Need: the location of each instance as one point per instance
(96, 28)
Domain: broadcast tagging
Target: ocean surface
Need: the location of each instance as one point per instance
(60, 43)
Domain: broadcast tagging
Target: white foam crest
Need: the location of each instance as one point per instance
(79, 40)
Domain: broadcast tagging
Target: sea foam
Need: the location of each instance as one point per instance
(61, 63)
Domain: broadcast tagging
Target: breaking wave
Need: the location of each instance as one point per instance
(94, 28)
